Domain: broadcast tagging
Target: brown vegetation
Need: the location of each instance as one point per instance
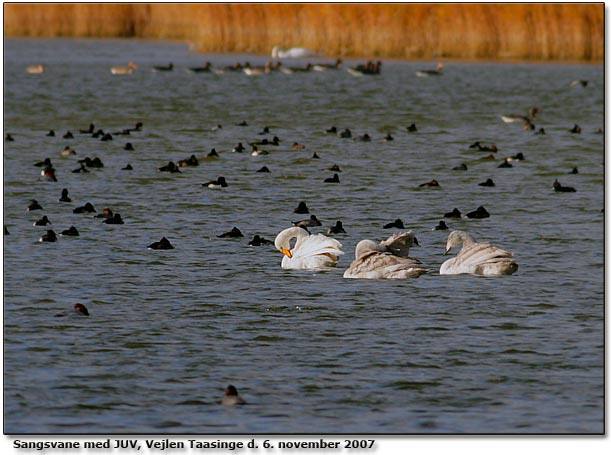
(557, 32)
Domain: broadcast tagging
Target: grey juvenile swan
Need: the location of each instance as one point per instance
(387, 259)
(476, 258)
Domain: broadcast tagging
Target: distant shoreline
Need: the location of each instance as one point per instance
(517, 32)
(331, 57)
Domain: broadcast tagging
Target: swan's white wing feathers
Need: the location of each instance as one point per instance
(313, 252)
(313, 245)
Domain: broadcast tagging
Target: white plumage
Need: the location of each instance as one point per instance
(293, 52)
(309, 252)
(476, 258)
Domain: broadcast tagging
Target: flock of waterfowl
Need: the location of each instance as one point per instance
(388, 259)
(368, 68)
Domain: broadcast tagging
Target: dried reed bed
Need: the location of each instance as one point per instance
(558, 32)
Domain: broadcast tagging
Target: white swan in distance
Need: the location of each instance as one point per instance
(385, 260)
(309, 252)
(293, 52)
(476, 258)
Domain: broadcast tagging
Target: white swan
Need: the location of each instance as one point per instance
(388, 259)
(293, 52)
(310, 251)
(476, 258)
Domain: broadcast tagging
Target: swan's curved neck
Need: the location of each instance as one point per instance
(283, 240)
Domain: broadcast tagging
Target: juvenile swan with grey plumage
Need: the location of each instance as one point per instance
(309, 252)
(476, 258)
(385, 260)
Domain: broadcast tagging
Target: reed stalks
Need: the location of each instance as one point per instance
(553, 32)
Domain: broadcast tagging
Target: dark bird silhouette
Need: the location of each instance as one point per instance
(70, 232)
(44, 221)
(218, 183)
(50, 236)
(337, 229)
(87, 208)
(346, 134)
(170, 167)
(163, 244)
(259, 241)
(169, 67)
(312, 221)
(441, 226)
(479, 213)
(334, 179)
(301, 208)
(397, 224)
(453, 214)
(433, 183)
(34, 205)
(562, 189)
(234, 233)
(116, 219)
(64, 197)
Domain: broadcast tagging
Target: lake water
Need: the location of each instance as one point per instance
(310, 351)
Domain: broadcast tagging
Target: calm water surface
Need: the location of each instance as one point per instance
(311, 352)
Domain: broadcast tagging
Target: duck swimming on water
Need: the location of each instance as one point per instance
(431, 72)
(232, 397)
(311, 222)
(397, 224)
(527, 119)
(121, 70)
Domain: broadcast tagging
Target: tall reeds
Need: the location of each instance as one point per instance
(544, 31)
